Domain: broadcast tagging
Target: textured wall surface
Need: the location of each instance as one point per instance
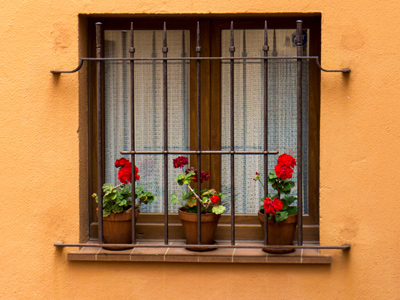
(40, 160)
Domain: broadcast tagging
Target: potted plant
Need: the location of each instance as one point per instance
(282, 216)
(117, 204)
(207, 200)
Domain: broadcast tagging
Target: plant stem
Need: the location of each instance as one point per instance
(117, 186)
(198, 198)
(277, 188)
(259, 179)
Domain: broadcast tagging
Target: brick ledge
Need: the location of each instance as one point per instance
(221, 255)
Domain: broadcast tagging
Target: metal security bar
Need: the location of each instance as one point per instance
(231, 152)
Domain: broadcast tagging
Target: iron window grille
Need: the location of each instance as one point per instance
(231, 153)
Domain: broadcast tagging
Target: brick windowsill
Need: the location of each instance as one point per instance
(221, 255)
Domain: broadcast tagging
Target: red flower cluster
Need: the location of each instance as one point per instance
(271, 207)
(180, 161)
(125, 171)
(286, 160)
(204, 176)
(284, 167)
(214, 199)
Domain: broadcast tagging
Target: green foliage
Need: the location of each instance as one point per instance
(291, 210)
(283, 189)
(190, 199)
(184, 178)
(174, 199)
(218, 209)
(290, 199)
(281, 215)
(117, 199)
(144, 197)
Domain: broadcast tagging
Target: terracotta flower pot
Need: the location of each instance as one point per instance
(209, 222)
(281, 233)
(117, 228)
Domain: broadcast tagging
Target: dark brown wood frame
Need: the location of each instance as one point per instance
(247, 227)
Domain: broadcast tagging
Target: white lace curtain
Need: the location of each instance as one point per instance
(249, 126)
(249, 112)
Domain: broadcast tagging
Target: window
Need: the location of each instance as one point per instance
(181, 40)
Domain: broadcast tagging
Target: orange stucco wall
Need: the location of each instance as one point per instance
(40, 160)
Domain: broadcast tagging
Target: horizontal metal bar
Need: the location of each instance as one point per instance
(202, 152)
(345, 70)
(198, 58)
(248, 246)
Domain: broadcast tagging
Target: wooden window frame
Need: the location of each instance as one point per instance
(151, 226)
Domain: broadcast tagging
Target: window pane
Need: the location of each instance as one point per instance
(148, 106)
(249, 116)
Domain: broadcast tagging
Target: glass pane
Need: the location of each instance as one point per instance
(148, 106)
(249, 116)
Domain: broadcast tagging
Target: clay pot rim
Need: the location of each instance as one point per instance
(122, 216)
(290, 219)
(205, 217)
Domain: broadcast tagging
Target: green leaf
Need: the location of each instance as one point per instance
(281, 215)
(191, 201)
(218, 209)
(285, 204)
(174, 198)
(290, 199)
(108, 186)
(190, 175)
(139, 190)
(292, 210)
(107, 197)
(288, 185)
(272, 175)
(180, 179)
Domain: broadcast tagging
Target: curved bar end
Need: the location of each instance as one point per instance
(73, 71)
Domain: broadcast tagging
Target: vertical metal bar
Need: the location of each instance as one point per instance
(132, 83)
(265, 49)
(185, 118)
(165, 104)
(99, 133)
(154, 76)
(90, 153)
(198, 50)
(244, 113)
(232, 156)
(299, 134)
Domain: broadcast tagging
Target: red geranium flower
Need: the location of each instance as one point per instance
(204, 176)
(283, 172)
(121, 162)
(271, 207)
(286, 160)
(180, 161)
(214, 199)
(125, 171)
